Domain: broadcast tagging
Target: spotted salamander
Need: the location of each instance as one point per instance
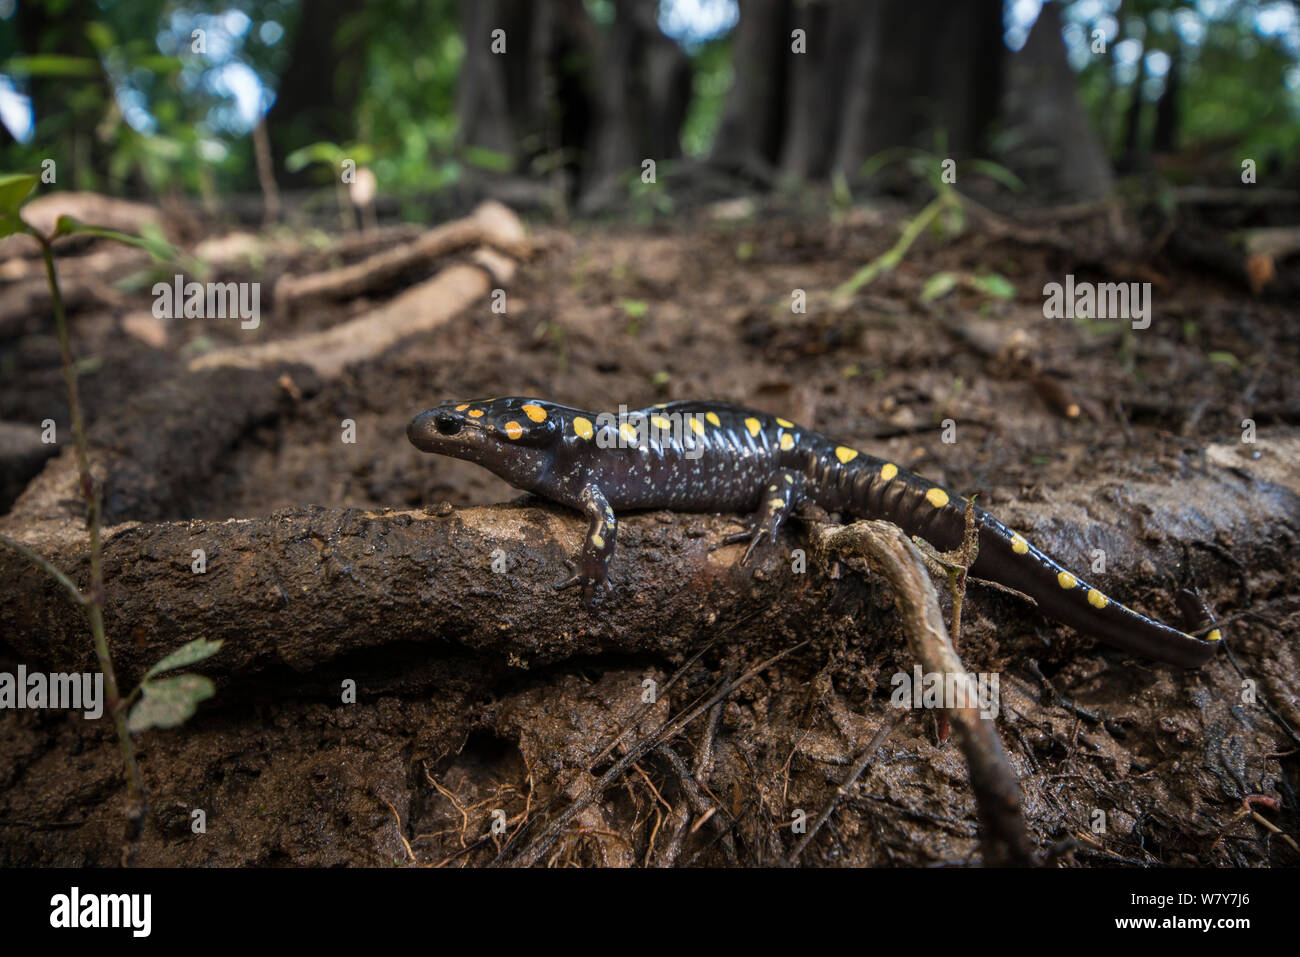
(711, 456)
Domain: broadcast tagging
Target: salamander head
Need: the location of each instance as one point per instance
(513, 437)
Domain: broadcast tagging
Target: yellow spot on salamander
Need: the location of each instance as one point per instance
(1096, 599)
(582, 428)
(1066, 580)
(787, 441)
(713, 419)
(598, 541)
(1215, 635)
(661, 405)
(785, 423)
(462, 407)
(1018, 544)
(937, 497)
(476, 413)
(513, 429)
(888, 471)
(534, 412)
(753, 425)
(788, 480)
(696, 425)
(627, 431)
(776, 504)
(659, 422)
(845, 454)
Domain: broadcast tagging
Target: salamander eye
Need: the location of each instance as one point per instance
(447, 424)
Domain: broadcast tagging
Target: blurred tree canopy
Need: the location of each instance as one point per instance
(160, 96)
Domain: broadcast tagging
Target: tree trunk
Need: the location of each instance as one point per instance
(753, 121)
(318, 92)
(819, 81)
(1133, 119)
(860, 86)
(1165, 137)
(1055, 142)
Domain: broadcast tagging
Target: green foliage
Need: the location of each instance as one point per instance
(1233, 77)
(407, 109)
(330, 155)
(126, 105)
(938, 286)
(634, 308)
(169, 702)
(14, 188)
(52, 66)
(991, 284)
(155, 245)
(711, 80)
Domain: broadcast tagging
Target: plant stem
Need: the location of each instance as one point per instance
(887, 260)
(93, 598)
(47, 566)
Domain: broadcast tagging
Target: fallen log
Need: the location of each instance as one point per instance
(491, 225)
(308, 585)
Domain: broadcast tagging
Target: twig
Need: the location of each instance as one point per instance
(997, 793)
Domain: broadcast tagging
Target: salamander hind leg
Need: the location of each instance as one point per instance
(598, 549)
(782, 493)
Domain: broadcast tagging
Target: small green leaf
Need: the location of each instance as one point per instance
(155, 246)
(938, 286)
(635, 308)
(186, 654)
(169, 702)
(744, 251)
(14, 188)
(998, 173)
(1224, 359)
(992, 284)
(331, 154)
(101, 36)
(488, 159)
(158, 64)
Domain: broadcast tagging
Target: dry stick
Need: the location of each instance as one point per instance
(850, 779)
(529, 855)
(382, 266)
(702, 804)
(266, 174)
(93, 600)
(997, 794)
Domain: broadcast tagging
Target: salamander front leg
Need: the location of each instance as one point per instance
(781, 495)
(593, 566)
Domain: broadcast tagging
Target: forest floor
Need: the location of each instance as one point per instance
(1120, 761)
